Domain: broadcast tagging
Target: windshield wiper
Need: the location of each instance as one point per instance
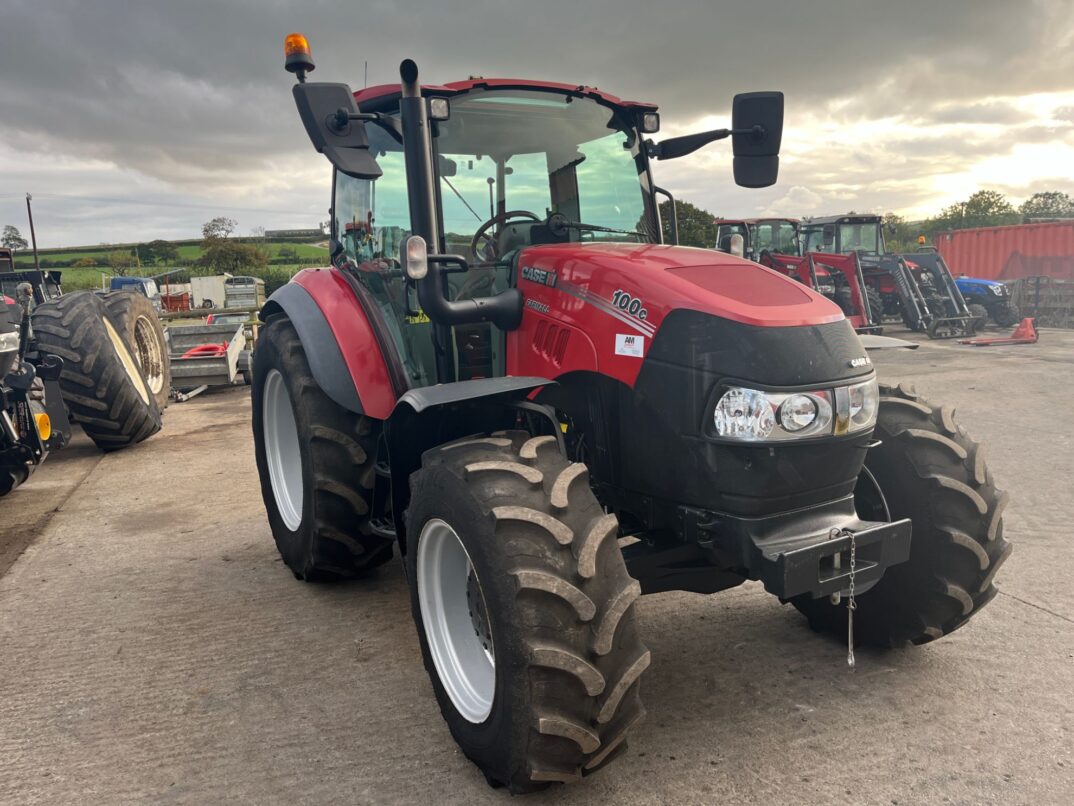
(559, 225)
(456, 192)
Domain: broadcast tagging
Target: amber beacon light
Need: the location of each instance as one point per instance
(299, 59)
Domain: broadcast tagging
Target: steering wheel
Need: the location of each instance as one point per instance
(488, 253)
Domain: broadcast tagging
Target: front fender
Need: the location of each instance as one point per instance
(434, 415)
(344, 355)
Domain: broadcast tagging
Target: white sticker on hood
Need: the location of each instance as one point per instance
(629, 344)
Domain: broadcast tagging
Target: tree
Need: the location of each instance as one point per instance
(697, 227)
(122, 262)
(221, 255)
(157, 252)
(219, 227)
(13, 239)
(1048, 204)
(899, 235)
(985, 208)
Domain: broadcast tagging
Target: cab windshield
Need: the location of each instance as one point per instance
(859, 237)
(776, 236)
(515, 156)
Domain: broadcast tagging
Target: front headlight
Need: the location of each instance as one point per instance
(998, 290)
(864, 402)
(753, 415)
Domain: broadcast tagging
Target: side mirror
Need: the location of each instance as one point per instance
(347, 145)
(828, 234)
(757, 126)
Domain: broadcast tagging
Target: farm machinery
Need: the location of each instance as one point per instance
(775, 243)
(917, 287)
(83, 357)
(548, 411)
(991, 296)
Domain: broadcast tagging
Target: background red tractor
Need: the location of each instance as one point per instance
(505, 372)
(775, 242)
(917, 287)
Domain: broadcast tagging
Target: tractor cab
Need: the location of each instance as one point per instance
(843, 234)
(759, 235)
(515, 165)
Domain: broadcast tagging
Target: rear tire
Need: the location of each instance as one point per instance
(140, 325)
(316, 478)
(101, 383)
(556, 609)
(930, 471)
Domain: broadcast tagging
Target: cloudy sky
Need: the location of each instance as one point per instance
(143, 119)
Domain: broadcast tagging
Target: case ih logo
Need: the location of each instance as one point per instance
(539, 276)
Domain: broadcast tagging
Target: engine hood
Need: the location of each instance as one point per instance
(639, 284)
(975, 281)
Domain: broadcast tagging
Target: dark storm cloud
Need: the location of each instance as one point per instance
(193, 94)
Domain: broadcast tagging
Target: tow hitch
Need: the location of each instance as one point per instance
(796, 553)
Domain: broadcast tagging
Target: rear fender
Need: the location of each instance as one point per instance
(344, 354)
(431, 416)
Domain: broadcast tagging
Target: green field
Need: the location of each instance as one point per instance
(189, 251)
(76, 279)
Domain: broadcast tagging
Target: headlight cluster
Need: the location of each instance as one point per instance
(752, 415)
(998, 290)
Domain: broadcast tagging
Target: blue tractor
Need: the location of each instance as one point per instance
(993, 296)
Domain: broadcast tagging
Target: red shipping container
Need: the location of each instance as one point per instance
(1010, 253)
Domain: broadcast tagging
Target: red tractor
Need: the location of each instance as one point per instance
(917, 287)
(506, 375)
(774, 242)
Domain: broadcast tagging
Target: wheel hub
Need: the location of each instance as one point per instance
(455, 618)
(282, 452)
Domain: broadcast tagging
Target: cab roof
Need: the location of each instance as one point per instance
(382, 94)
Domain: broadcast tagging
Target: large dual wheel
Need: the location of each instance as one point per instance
(316, 463)
(102, 384)
(525, 609)
(927, 469)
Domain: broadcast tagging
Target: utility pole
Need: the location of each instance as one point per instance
(33, 235)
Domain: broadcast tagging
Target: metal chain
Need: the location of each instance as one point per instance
(852, 604)
(836, 598)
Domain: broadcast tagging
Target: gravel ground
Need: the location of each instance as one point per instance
(154, 648)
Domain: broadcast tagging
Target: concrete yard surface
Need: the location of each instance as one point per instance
(154, 648)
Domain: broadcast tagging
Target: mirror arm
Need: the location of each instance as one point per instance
(339, 122)
(689, 143)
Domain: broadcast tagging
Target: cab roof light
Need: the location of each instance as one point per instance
(298, 57)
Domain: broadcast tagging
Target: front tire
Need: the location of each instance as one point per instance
(979, 314)
(930, 471)
(1007, 315)
(516, 575)
(316, 461)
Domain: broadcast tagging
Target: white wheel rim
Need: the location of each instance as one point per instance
(130, 365)
(149, 354)
(460, 640)
(282, 451)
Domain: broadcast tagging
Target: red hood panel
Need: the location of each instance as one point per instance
(753, 288)
(597, 307)
(668, 277)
